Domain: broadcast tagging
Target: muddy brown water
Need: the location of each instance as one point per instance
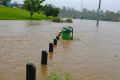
(94, 54)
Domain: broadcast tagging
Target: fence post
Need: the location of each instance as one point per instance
(55, 42)
(59, 34)
(30, 71)
(57, 37)
(44, 57)
(50, 47)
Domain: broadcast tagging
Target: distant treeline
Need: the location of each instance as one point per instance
(67, 12)
(89, 14)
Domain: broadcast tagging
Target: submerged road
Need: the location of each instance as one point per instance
(94, 54)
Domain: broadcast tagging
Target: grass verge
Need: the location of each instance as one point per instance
(7, 13)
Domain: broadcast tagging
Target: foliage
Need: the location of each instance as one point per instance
(111, 16)
(33, 6)
(4, 2)
(7, 13)
(59, 76)
(89, 14)
(57, 19)
(104, 15)
(69, 20)
(55, 12)
(50, 10)
(15, 4)
(69, 13)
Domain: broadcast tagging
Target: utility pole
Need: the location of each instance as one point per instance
(98, 14)
(81, 9)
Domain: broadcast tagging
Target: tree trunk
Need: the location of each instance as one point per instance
(31, 14)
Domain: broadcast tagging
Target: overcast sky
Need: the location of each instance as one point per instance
(112, 5)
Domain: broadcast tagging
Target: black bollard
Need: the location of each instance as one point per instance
(59, 32)
(55, 41)
(44, 57)
(50, 47)
(57, 37)
(30, 71)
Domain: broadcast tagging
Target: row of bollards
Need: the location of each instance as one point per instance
(31, 68)
(51, 48)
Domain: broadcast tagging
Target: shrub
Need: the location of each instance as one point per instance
(69, 20)
(57, 19)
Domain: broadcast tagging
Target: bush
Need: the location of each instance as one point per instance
(50, 10)
(69, 20)
(57, 19)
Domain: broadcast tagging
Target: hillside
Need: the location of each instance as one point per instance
(7, 13)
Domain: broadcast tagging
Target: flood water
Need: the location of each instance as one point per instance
(94, 54)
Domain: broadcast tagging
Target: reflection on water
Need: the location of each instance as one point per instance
(94, 54)
(43, 72)
(66, 44)
(51, 55)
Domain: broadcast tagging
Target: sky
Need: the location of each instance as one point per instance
(112, 5)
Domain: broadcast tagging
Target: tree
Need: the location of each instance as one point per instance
(69, 13)
(50, 10)
(4, 2)
(15, 4)
(33, 6)
(55, 12)
(47, 9)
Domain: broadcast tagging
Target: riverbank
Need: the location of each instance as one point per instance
(7, 13)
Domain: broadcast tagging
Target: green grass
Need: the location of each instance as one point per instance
(7, 13)
(59, 76)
